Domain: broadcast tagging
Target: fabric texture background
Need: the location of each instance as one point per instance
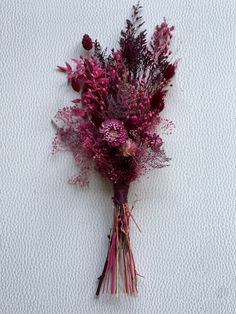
(53, 236)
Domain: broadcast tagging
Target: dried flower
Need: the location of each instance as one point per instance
(87, 42)
(128, 148)
(113, 132)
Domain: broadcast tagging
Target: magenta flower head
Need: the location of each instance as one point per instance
(113, 132)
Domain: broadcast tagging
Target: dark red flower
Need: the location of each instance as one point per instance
(157, 100)
(87, 42)
(169, 71)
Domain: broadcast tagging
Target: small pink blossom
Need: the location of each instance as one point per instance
(128, 148)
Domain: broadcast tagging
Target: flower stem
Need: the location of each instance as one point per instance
(119, 247)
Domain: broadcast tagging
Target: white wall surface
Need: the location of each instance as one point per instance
(52, 235)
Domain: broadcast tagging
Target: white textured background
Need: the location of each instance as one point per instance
(53, 235)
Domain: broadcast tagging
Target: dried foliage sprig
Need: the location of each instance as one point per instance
(112, 126)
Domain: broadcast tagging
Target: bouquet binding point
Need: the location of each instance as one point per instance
(115, 127)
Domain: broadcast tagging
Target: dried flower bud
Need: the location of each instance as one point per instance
(128, 148)
(87, 42)
(169, 71)
(75, 84)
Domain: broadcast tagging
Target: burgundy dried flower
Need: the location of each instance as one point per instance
(157, 100)
(113, 132)
(169, 71)
(87, 42)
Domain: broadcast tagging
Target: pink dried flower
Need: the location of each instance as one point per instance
(87, 42)
(128, 148)
(161, 38)
(113, 132)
